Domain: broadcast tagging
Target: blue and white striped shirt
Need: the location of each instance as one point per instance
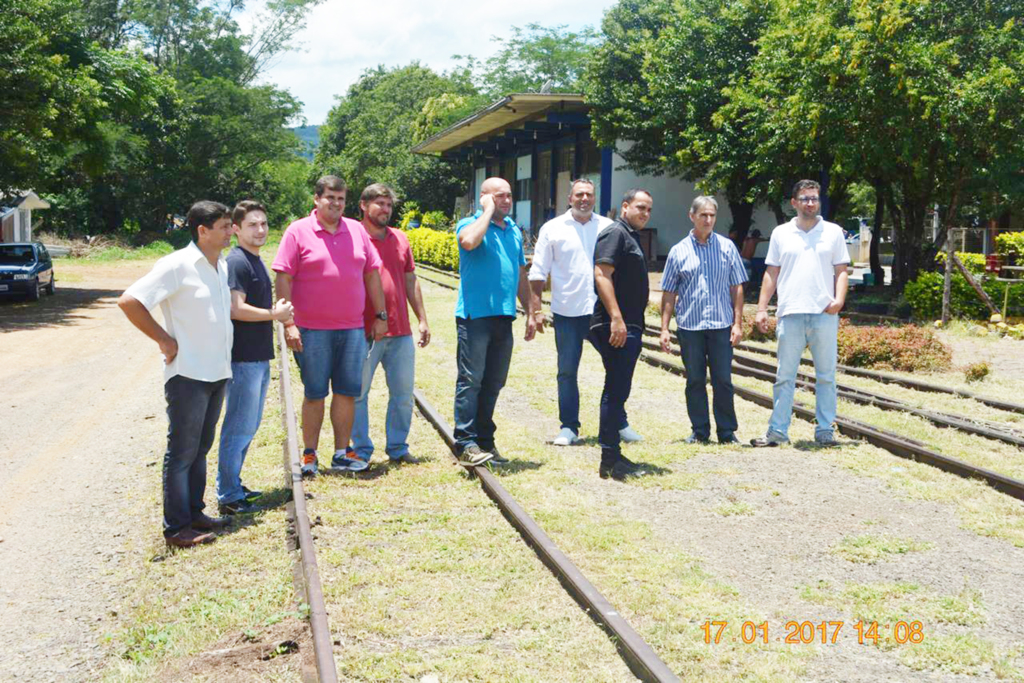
(700, 275)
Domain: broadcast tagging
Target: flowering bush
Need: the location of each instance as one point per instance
(753, 333)
(907, 348)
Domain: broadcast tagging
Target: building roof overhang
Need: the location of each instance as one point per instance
(510, 112)
(23, 199)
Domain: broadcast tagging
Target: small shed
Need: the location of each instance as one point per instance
(16, 215)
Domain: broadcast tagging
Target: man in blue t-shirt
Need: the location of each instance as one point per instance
(253, 313)
(492, 267)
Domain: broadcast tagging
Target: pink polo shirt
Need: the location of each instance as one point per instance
(327, 272)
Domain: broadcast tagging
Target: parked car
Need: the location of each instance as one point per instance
(26, 268)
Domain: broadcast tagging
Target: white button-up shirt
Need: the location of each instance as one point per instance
(196, 304)
(565, 251)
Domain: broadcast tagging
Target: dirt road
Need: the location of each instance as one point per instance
(81, 435)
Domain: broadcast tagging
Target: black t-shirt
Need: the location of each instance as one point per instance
(254, 341)
(618, 246)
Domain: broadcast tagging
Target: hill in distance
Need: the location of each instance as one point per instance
(310, 137)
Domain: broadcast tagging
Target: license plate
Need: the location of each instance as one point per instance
(4, 288)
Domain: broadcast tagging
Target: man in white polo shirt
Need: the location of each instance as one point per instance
(806, 262)
(191, 288)
(565, 251)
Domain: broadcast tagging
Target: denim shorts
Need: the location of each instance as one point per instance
(334, 356)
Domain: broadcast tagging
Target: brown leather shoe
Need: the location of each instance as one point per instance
(203, 522)
(186, 538)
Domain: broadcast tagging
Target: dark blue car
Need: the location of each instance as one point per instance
(25, 268)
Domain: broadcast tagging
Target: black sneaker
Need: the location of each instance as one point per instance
(473, 455)
(239, 507)
(250, 495)
(696, 438)
(622, 470)
(728, 438)
(497, 458)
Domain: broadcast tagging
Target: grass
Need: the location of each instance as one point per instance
(869, 549)
(732, 507)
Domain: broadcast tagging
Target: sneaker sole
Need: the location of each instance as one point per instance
(481, 461)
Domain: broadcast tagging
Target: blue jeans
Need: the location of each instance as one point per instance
(570, 332)
(243, 411)
(483, 356)
(193, 408)
(398, 356)
(619, 364)
(331, 356)
(797, 332)
(701, 350)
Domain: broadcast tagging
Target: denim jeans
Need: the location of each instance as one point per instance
(619, 364)
(332, 357)
(570, 332)
(483, 356)
(701, 350)
(398, 356)
(797, 332)
(193, 408)
(243, 411)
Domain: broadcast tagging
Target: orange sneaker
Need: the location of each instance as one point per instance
(309, 463)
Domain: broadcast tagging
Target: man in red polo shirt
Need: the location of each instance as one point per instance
(397, 350)
(325, 267)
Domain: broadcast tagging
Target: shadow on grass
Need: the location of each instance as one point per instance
(513, 466)
(812, 445)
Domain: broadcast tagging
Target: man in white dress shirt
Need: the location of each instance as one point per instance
(191, 288)
(565, 251)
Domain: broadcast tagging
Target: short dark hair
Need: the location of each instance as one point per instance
(244, 208)
(632, 193)
(805, 185)
(205, 213)
(377, 190)
(329, 182)
(573, 184)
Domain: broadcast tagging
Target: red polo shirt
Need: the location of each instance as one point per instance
(396, 259)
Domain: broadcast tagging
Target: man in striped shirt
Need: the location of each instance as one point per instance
(705, 273)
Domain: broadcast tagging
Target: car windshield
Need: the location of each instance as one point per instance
(16, 255)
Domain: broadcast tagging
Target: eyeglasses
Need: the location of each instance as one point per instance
(808, 200)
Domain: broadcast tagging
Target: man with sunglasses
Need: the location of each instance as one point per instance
(806, 262)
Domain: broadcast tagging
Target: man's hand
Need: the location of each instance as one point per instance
(531, 328)
(292, 338)
(380, 328)
(487, 203)
(761, 320)
(538, 321)
(666, 338)
(736, 335)
(835, 307)
(168, 347)
(424, 334)
(282, 310)
(617, 338)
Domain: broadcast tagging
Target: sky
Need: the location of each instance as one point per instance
(343, 38)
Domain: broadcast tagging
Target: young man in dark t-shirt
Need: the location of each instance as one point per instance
(616, 328)
(253, 314)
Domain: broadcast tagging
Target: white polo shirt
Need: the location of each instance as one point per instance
(806, 281)
(565, 251)
(196, 304)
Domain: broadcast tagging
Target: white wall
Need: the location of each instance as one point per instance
(672, 199)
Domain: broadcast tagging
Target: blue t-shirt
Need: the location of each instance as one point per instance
(490, 273)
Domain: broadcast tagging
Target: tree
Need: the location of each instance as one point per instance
(369, 134)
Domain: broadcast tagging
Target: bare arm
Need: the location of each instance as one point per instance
(668, 306)
(376, 291)
(283, 287)
(472, 235)
(240, 310)
(414, 295)
(736, 293)
(606, 292)
(140, 316)
(536, 289)
(842, 284)
(527, 303)
(771, 277)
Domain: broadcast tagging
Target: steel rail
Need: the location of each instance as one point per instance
(751, 367)
(895, 444)
(638, 655)
(887, 378)
(323, 644)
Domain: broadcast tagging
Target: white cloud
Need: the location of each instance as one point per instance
(344, 38)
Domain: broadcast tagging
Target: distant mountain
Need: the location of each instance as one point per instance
(310, 136)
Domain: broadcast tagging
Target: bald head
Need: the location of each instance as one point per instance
(500, 192)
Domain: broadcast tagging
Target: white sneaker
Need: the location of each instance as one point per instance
(566, 437)
(629, 436)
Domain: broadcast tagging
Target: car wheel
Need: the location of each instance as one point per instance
(33, 291)
(52, 287)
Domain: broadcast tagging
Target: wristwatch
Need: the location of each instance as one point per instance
(382, 315)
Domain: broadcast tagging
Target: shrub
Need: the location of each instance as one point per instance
(1010, 244)
(434, 247)
(975, 372)
(907, 348)
(436, 220)
(753, 333)
(410, 212)
(924, 295)
(974, 263)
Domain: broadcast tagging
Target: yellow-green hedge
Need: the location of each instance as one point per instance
(436, 248)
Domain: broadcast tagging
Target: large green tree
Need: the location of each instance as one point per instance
(369, 134)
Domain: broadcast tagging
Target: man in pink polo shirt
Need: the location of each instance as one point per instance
(326, 266)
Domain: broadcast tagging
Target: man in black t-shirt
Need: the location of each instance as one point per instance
(253, 314)
(616, 328)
